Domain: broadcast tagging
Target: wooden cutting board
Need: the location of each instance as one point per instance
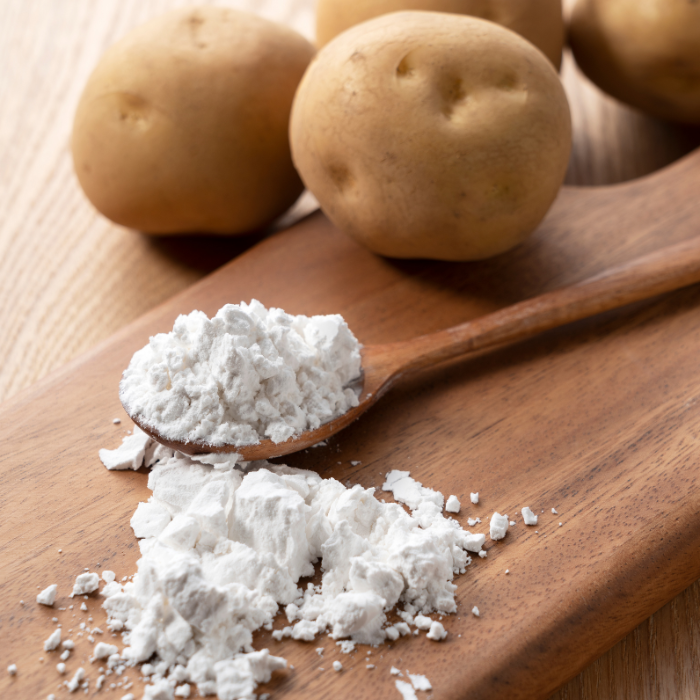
(599, 420)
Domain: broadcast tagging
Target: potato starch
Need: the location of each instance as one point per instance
(223, 547)
(246, 374)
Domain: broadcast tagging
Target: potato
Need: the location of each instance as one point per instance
(183, 126)
(646, 54)
(539, 21)
(430, 135)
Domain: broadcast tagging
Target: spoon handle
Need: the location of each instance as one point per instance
(647, 276)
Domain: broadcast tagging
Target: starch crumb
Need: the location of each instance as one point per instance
(554, 511)
(529, 518)
(53, 641)
(498, 526)
(437, 632)
(103, 650)
(74, 682)
(422, 622)
(406, 690)
(475, 612)
(85, 583)
(337, 666)
(47, 596)
(12, 669)
(129, 455)
(419, 682)
(474, 497)
(453, 505)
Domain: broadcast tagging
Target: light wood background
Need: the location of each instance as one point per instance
(69, 279)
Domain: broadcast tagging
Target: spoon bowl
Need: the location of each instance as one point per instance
(663, 271)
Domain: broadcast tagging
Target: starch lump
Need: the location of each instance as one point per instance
(130, 454)
(103, 650)
(245, 375)
(529, 518)
(453, 505)
(48, 595)
(53, 641)
(498, 526)
(85, 583)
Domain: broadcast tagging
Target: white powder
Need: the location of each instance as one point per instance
(475, 611)
(498, 526)
(529, 518)
(337, 666)
(103, 650)
(422, 622)
(223, 547)
(53, 641)
(130, 454)
(48, 595)
(420, 682)
(247, 374)
(85, 583)
(406, 690)
(474, 497)
(437, 632)
(74, 683)
(453, 505)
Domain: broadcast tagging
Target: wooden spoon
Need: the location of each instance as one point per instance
(663, 271)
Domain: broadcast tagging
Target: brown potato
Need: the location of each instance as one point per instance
(183, 126)
(429, 135)
(539, 21)
(646, 54)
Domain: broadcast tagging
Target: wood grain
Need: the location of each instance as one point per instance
(69, 279)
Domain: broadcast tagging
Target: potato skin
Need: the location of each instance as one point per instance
(539, 21)
(428, 135)
(183, 125)
(646, 54)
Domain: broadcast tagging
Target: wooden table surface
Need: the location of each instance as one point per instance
(69, 278)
